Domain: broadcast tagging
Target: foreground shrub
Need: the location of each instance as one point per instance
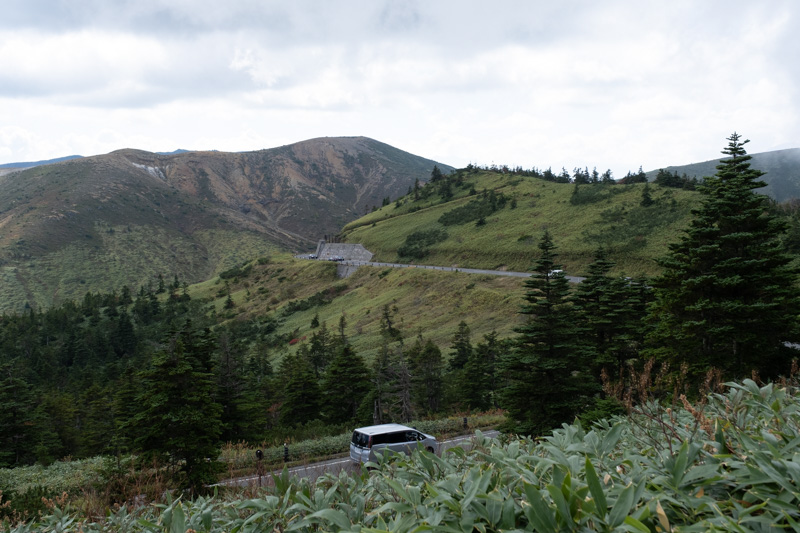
(728, 465)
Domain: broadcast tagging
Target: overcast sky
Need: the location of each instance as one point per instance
(607, 84)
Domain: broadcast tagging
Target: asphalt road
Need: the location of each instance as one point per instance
(334, 466)
(571, 279)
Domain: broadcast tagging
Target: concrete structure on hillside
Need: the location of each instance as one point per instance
(342, 252)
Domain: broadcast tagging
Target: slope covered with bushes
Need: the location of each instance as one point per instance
(728, 464)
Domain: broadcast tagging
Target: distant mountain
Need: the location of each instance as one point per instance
(39, 163)
(124, 218)
(782, 168)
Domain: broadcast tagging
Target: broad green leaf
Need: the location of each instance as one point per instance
(636, 525)
(331, 516)
(596, 488)
(539, 513)
(622, 506)
(178, 524)
(610, 440)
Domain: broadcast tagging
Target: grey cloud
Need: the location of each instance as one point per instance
(461, 25)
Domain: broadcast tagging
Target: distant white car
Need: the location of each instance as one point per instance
(556, 272)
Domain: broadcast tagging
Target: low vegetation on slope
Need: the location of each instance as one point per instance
(725, 465)
(491, 219)
(426, 302)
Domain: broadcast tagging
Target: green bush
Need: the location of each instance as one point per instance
(416, 245)
(475, 210)
(25, 504)
(315, 300)
(237, 272)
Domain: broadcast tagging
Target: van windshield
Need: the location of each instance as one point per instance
(360, 439)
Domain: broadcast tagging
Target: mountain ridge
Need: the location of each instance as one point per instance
(782, 169)
(77, 225)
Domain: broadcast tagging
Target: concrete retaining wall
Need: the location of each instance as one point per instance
(347, 252)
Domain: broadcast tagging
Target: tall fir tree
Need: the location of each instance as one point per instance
(178, 415)
(547, 377)
(427, 384)
(17, 430)
(243, 409)
(321, 349)
(479, 386)
(346, 388)
(728, 296)
(613, 315)
(391, 385)
(301, 394)
(460, 347)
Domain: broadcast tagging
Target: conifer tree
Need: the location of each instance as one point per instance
(179, 418)
(391, 385)
(243, 411)
(728, 297)
(613, 315)
(474, 387)
(123, 409)
(301, 394)
(546, 376)
(16, 418)
(460, 347)
(321, 349)
(346, 388)
(427, 384)
(647, 198)
(479, 383)
(97, 421)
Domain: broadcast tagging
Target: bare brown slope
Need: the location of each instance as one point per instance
(123, 218)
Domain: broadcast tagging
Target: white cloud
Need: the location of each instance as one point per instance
(613, 84)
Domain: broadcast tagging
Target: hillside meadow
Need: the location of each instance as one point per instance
(607, 215)
(422, 302)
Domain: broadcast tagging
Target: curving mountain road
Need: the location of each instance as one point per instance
(356, 264)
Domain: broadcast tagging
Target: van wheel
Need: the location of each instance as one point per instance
(429, 449)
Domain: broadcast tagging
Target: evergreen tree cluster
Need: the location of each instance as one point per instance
(582, 176)
(487, 203)
(672, 179)
(728, 297)
(117, 374)
(158, 377)
(727, 304)
(572, 340)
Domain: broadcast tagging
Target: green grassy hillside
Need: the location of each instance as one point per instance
(423, 301)
(598, 215)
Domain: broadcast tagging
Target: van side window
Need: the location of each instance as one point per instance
(360, 439)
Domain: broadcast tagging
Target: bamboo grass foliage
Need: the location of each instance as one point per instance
(729, 464)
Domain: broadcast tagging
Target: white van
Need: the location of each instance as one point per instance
(367, 440)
